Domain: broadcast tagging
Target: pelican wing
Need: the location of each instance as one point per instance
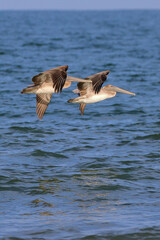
(56, 76)
(43, 100)
(84, 88)
(98, 79)
(39, 78)
(82, 107)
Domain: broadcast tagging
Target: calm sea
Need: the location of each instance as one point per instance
(77, 177)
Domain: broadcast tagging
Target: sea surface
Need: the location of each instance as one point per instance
(77, 177)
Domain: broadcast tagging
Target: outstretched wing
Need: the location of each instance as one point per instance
(43, 100)
(97, 80)
(56, 76)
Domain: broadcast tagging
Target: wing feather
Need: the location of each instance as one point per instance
(97, 80)
(43, 100)
(82, 107)
(56, 76)
(39, 78)
(84, 87)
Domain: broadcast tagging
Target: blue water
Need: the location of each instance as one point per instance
(69, 176)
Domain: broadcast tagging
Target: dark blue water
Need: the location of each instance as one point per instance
(69, 176)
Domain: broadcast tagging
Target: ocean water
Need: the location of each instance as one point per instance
(77, 177)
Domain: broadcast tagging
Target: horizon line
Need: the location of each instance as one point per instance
(107, 9)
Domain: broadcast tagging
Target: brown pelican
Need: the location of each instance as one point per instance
(88, 94)
(48, 82)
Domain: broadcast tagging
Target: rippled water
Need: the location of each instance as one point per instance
(69, 176)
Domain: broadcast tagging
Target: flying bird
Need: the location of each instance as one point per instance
(93, 92)
(47, 83)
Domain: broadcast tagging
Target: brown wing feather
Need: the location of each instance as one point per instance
(58, 78)
(83, 87)
(39, 78)
(56, 75)
(97, 81)
(43, 100)
(82, 107)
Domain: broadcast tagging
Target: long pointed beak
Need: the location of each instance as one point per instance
(117, 89)
(75, 79)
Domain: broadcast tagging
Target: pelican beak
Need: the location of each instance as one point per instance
(75, 79)
(117, 89)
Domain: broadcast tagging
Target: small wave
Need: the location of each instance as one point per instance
(25, 129)
(2, 53)
(146, 233)
(30, 44)
(153, 155)
(57, 39)
(77, 149)
(122, 143)
(40, 203)
(110, 187)
(47, 154)
(151, 136)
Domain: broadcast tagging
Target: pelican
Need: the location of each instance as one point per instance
(47, 83)
(88, 94)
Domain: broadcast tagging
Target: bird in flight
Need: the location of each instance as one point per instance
(92, 92)
(47, 83)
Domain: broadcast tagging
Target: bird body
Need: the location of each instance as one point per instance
(43, 88)
(93, 98)
(89, 94)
